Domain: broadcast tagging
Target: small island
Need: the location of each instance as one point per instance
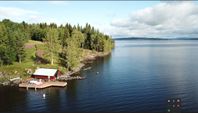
(26, 47)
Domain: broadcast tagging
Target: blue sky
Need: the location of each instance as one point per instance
(116, 18)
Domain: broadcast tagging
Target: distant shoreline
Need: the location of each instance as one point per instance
(144, 38)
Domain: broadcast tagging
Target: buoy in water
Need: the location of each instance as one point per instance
(97, 72)
(44, 95)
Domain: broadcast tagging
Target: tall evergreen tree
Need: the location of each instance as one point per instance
(3, 44)
(65, 37)
(20, 41)
(70, 55)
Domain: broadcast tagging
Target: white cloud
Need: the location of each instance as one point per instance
(17, 14)
(11, 11)
(167, 19)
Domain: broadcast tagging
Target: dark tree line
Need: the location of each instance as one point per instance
(64, 41)
(12, 40)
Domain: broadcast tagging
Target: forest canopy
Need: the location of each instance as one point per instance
(64, 42)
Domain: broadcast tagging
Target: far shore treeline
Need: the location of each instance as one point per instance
(64, 42)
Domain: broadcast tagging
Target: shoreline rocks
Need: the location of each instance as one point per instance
(68, 75)
(12, 82)
(65, 77)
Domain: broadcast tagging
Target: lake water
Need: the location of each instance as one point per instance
(139, 76)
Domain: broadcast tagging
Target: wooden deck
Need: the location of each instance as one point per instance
(44, 85)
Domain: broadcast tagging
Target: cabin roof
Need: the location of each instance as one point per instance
(45, 72)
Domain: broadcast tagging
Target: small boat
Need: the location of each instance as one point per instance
(35, 82)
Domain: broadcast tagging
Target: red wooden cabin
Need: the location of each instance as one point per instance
(44, 73)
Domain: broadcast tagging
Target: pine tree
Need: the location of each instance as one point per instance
(64, 37)
(20, 41)
(3, 44)
(72, 54)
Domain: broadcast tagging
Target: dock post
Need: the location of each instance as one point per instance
(27, 87)
(35, 88)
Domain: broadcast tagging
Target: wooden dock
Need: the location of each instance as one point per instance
(44, 85)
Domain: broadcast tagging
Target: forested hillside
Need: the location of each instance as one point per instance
(62, 45)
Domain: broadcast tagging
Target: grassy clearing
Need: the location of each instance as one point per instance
(20, 69)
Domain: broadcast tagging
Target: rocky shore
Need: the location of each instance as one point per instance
(65, 77)
(12, 82)
(68, 76)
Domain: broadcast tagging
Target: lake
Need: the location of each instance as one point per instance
(139, 76)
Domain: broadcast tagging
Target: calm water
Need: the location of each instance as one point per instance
(138, 76)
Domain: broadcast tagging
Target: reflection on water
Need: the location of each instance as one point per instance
(138, 76)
